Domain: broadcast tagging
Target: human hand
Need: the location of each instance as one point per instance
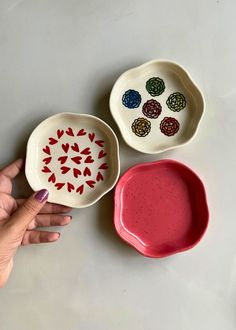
(19, 218)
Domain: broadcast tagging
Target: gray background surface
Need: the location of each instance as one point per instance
(65, 55)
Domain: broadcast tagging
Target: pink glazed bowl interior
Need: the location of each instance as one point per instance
(160, 208)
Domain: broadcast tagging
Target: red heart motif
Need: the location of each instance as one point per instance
(75, 147)
(100, 143)
(103, 166)
(90, 183)
(77, 159)
(86, 151)
(70, 186)
(59, 185)
(76, 172)
(101, 154)
(87, 171)
(91, 136)
(47, 150)
(65, 147)
(99, 176)
(46, 169)
(52, 178)
(80, 189)
(63, 159)
(64, 169)
(89, 159)
(60, 132)
(47, 160)
(52, 141)
(81, 132)
(70, 132)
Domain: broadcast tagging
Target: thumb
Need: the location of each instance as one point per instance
(22, 217)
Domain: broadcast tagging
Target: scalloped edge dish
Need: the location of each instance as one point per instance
(74, 156)
(160, 208)
(157, 106)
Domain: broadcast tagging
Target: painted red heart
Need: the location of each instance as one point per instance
(52, 178)
(70, 186)
(76, 172)
(75, 147)
(63, 159)
(59, 185)
(89, 159)
(100, 143)
(65, 147)
(103, 166)
(87, 171)
(52, 141)
(86, 151)
(64, 169)
(60, 132)
(101, 154)
(70, 132)
(46, 169)
(81, 132)
(91, 136)
(90, 183)
(47, 150)
(77, 159)
(99, 176)
(80, 189)
(47, 160)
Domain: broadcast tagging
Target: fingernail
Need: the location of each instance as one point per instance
(58, 236)
(67, 219)
(41, 196)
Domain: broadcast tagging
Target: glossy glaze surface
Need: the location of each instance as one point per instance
(74, 156)
(156, 106)
(160, 208)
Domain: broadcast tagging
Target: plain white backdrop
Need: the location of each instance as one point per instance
(65, 55)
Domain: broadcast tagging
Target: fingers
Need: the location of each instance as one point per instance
(13, 169)
(36, 237)
(47, 220)
(4, 275)
(22, 217)
(49, 207)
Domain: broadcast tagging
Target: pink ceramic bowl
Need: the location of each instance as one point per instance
(160, 208)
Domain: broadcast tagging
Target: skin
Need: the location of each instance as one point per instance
(19, 219)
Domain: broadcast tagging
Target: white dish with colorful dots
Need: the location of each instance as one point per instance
(75, 157)
(157, 106)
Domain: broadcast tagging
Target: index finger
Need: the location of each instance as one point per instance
(13, 169)
(49, 208)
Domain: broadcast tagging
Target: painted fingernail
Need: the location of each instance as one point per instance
(42, 195)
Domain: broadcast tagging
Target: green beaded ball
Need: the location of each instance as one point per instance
(176, 102)
(155, 86)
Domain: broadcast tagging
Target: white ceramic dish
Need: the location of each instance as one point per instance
(75, 157)
(157, 106)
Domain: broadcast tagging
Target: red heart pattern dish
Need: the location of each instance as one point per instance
(77, 156)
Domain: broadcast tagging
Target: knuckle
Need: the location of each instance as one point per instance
(51, 219)
(29, 208)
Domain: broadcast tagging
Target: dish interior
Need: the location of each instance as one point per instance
(176, 97)
(161, 208)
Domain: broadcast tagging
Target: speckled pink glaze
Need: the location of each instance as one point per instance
(160, 208)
